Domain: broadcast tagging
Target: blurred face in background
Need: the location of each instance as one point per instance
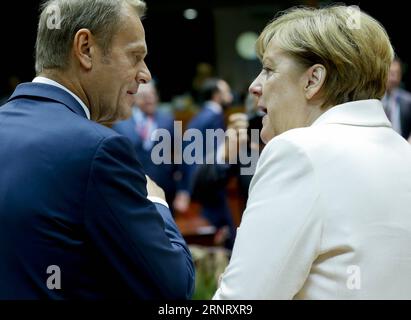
(394, 76)
(225, 95)
(146, 98)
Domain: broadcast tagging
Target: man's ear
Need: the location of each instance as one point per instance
(83, 47)
(315, 78)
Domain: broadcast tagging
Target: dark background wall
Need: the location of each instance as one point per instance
(176, 45)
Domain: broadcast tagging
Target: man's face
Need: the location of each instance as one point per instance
(394, 76)
(146, 98)
(118, 74)
(226, 97)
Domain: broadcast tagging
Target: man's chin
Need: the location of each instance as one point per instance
(125, 113)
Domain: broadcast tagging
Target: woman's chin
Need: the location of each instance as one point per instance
(266, 135)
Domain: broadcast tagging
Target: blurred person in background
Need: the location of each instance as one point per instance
(204, 71)
(216, 96)
(139, 128)
(12, 82)
(238, 139)
(397, 101)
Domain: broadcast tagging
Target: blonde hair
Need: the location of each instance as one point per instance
(353, 47)
(101, 17)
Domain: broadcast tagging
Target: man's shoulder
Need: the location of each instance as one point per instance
(205, 118)
(164, 118)
(99, 131)
(83, 129)
(79, 132)
(404, 95)
(53, 111)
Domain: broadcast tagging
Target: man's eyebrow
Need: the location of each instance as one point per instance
(138, 48)
(267, 60)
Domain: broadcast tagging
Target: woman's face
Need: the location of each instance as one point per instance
(280, 93)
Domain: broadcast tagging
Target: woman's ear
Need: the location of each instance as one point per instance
(83, 47)
(315, 78)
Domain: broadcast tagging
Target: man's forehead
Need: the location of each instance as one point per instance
(131, 32)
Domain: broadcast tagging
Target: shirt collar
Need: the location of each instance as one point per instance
(137, 114)
(56, 84)
(214, 106)
(368, 113)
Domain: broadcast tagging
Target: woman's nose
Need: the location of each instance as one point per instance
(255, 88)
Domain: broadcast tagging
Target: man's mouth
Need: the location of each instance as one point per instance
(132, 91)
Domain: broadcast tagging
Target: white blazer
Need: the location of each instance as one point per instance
(328, 214)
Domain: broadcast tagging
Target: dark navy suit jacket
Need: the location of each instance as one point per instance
(216, 211)
(404, 101)
(73, 195)
(205, 119)
(162, 174)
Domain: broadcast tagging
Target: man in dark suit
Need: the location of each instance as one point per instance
(216, 94)
(397, 101)
(141, 129)
(76, 218)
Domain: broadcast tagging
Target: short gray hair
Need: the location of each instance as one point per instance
(101, 17)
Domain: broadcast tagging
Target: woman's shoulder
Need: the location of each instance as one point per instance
(299, 138)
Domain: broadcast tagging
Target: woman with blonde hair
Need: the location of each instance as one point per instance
(328, 214)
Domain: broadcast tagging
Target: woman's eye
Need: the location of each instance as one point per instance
(267, 72)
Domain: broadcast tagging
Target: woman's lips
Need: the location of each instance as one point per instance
(262, 110)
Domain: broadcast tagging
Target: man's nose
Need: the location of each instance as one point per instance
(144, 76)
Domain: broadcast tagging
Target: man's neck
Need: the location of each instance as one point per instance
(65, 80)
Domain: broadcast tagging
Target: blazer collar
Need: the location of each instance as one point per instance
(49, 92)
(368, 113)
(213, 106)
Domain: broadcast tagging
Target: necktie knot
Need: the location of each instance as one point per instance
(145, 129)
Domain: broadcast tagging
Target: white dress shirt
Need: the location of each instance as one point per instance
(56, 84)
(328, 214)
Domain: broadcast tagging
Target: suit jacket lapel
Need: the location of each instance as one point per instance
(130, 128)
(48, 92)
